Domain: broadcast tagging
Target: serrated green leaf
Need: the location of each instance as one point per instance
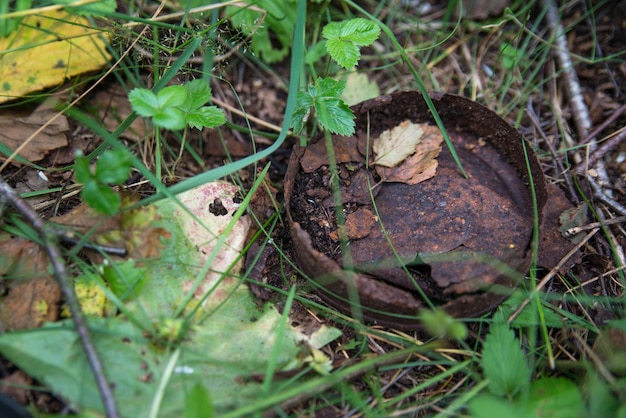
(335, 115)
(206, 117)
(198, 93)
(345, 38)
(503, 361)
(172, 96)
(101, 198)
(345, 53)
(359, 31)
(331, 112)
(113, 167)
(328, 87)
(163, 108)
(144, 102)
(170, 118)
(304, 101)
(554, 397)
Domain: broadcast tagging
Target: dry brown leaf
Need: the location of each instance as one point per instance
(32, 297)
(419, 166)
(16, 128)
(395, 145)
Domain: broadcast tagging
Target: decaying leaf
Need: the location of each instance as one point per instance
(47, 49)
(395, 145)
(32, 297)
(17, 127)
(405, 167)
(359, 88)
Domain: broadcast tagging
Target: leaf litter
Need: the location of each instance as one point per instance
(408, 152)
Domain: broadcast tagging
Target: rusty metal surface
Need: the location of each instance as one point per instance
(465, 230)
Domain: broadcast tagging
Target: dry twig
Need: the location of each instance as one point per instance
(49, 237)
(572, 85)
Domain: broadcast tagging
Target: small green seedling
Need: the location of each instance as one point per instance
(175, 107)
(113, 167)
(332, 113)
(343, 43)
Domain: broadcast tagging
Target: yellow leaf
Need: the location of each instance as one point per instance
(421, 164)
(47, 49)
(395, 145)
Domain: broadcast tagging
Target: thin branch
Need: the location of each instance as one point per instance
(599, 192)
(577, 229)
(600, 152)
(580, 111)
(50, 240)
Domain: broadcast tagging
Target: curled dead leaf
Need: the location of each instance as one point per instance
(393, 161)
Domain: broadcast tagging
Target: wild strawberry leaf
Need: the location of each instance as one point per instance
(345, 38)
(332, 113)
(503, 361)
(205, 117)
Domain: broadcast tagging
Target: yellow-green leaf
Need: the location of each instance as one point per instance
(45, 50)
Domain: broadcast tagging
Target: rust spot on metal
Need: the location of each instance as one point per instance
(466, 242)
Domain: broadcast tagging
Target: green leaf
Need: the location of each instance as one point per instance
(113, 167)
(172, 96)
(198, 93)
(101, 197)
(315, 53)
(144, 102)
(304, 101)
(503, 361)
(529, 317)
(125, 278)
(270, 41)
(332, 113)
(335, 116)
(345, 38)
(554, 397)
(163, 108)
(489, 406)
(82, 169)
(601, 402)
(170, 118)
(346, 54)
(198, 403)
(206, 116)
